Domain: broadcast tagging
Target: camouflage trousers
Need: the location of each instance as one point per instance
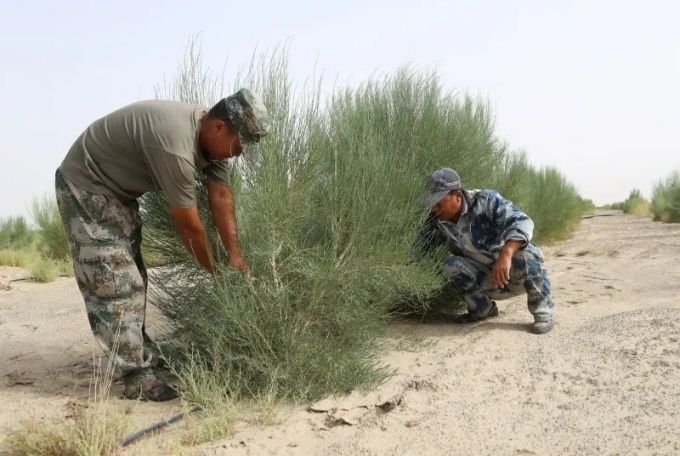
(104, 235)
(527, 275)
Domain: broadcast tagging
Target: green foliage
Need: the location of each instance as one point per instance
(15, 233)
(666, 199)
(45, 270)
(52, 238)
(16, 258)
(327, 217)
(636, 204)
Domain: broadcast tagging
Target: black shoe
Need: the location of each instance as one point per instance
(468, 317)
(147, 387)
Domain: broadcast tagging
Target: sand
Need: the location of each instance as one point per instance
(606, 380)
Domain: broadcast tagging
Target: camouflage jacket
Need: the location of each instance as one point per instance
(487, 222)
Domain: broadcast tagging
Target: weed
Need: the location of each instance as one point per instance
(45, 270)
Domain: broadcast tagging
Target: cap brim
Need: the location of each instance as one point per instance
(430, 199)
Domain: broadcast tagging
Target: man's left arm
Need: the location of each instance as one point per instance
(517, 232)
(223, 211)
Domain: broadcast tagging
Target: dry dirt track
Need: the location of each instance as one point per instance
(605, 381)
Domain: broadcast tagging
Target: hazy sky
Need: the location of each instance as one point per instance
(591, 87)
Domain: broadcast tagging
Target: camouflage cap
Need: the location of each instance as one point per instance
(439, 184)
(248, 114)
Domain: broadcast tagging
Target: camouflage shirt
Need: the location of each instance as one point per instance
(487, 222)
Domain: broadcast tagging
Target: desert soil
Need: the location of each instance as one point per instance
(606, 380)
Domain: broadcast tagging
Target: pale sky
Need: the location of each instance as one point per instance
(590, 87)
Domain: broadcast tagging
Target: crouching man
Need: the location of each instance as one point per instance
(492, 257)
(148, 146)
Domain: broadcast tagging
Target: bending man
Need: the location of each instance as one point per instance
(148, 146)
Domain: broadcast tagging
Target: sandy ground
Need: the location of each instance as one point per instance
(605, 381)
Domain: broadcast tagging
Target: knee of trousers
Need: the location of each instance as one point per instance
(461, 273)
(106, 271)
(525, 264)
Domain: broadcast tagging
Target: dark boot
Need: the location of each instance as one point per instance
(468, 317)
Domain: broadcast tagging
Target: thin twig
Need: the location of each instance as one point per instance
(157, 425)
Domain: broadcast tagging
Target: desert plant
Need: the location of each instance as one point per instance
(636, 204)
(45, 270)
(327, 219)
(52, 237)
(666, 199)
(16, 258)
(15, 233)
(95, 428)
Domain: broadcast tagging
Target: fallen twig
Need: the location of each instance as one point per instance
(157, 425)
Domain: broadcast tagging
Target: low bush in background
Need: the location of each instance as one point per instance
(666, 199)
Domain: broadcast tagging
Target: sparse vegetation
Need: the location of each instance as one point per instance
(16, 258)
(666, 199)
(45, 270)
(52, 238)
(94, 428)
(635, 204)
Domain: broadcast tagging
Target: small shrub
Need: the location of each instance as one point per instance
(636, 204)
(66, 267)
(666, 199)
(15, 233)
(52, 237)
(16, 258)
(45, 270)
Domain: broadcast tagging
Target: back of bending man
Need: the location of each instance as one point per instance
(148, 146)
(492, 256)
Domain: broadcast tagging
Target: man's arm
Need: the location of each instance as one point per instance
(223, 211)
(194, 236)
(500, 273)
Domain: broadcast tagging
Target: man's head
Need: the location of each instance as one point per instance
(234, 123)
(444, 197)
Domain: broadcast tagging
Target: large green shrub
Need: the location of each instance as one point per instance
(327, 218)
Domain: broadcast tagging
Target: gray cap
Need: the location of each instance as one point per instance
(439, 184)
(249, 115)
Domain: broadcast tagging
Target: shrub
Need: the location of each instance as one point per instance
(327, 218)
(45, 270)
(15, 233)
(52, 238)
(636, 204)
(15, 258)
(666, 199)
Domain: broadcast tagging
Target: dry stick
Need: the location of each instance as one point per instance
(157, 425)
(600, 215)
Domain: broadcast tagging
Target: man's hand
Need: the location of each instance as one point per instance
(223, 211)
(500, 273)
(240, 264)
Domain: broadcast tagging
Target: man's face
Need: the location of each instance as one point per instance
(221, 139)
(449, 207)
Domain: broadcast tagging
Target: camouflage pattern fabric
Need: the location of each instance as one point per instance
(527, 275)
(248, 114)
(475, 241)
(104, 236)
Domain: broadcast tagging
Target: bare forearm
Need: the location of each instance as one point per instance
(223, 211)
(196, 242)
(511, 247)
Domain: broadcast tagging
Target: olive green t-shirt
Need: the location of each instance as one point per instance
(146, 146)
